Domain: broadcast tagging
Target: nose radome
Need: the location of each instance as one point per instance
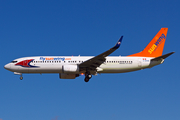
(7, 66)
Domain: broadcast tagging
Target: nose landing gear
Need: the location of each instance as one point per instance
(21, 77)
(16, 73)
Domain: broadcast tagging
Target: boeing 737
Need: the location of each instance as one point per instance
(70, 67)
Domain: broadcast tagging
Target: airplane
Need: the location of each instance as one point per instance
(70, 67)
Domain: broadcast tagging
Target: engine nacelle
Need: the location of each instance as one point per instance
(70, 69)
(67, 76)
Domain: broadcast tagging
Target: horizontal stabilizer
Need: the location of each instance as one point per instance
(162, 57)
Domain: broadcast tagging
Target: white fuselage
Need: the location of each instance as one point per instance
(54, 64)
(70, 67)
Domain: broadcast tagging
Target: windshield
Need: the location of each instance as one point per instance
(13, 61)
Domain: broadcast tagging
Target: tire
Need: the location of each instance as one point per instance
(86, 79)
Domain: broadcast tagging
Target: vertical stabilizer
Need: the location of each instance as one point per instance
(155, 47)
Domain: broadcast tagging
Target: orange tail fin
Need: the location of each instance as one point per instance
(155, 47)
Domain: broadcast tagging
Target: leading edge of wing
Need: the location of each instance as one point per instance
(96, 61)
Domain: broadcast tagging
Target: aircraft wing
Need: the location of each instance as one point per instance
(96, 61)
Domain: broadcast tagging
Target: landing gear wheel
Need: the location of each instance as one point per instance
(86, 79)
(21, 78)
(88, 76)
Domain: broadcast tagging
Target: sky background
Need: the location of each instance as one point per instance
(88, 28)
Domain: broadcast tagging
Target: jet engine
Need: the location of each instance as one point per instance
(70, 69)
(67, 76)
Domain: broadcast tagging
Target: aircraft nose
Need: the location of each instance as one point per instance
(7, 66)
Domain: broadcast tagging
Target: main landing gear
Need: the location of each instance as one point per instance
(87, 76)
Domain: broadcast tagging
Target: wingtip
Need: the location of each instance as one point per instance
(120, 39)
(118, 43)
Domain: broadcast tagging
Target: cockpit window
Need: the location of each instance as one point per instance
(13, 61)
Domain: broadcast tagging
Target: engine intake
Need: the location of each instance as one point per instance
(70, 69)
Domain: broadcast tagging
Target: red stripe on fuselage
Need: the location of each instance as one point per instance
(24, 63)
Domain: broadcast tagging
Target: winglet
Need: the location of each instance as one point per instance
(118, 43)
